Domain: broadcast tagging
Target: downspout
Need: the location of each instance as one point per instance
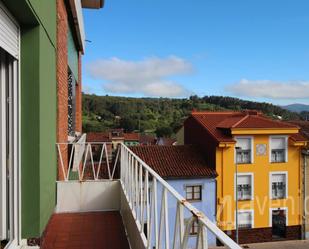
(305, 153)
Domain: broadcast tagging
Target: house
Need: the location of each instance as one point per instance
(304, 131)
(131, 139)
(185, 169)
(40, 48)
(262, 157)
(145, 139)
(165, 141)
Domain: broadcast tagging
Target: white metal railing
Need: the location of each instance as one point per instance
(86, 161)
(141, 186)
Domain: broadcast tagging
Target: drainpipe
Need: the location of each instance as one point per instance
(305, 153)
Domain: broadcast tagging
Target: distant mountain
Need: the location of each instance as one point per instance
(297, 108)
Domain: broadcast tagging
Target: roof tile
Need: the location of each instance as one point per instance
(183, 161)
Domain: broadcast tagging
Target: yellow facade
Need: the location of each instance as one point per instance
(261, 167)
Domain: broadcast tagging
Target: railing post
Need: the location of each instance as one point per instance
(141, 197)
(164, 220)
(187, 232)
(179, 226)
(201, 240)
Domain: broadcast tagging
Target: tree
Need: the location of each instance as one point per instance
(164, 131)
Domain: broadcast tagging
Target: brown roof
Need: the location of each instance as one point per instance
(131, 136)
(216, 123)
(304, 127)
(147, 139)
(98, 137)
(183, 161)
(166, 141)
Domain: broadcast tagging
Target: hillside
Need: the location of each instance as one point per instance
(297, 108)
(161, 115)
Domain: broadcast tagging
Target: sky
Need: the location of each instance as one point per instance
(251, 49)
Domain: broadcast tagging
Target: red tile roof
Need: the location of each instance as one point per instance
(131, 136)
(147, 139)
(216, 123)
(183, 161)
(98, 137)
(166, 141)
(304, 127)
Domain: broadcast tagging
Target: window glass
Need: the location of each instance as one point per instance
(278, 186)
(193, 193)
(244, 187)
(278, 149)
(243, 155)
(245, 220)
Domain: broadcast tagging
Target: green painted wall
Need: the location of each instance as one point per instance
(30, 174)
(38, 111)
(48, 118)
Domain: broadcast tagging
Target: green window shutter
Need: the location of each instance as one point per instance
(72, 55)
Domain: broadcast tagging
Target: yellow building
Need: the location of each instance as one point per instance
(262, 157)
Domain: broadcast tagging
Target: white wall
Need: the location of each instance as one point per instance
(75, 196)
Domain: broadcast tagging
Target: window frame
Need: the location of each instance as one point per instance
(192, 186)
(286, 184)
(245, 211)
(14, 195)
(286, 209)
(252, 184)
(286, 148)
(195, 224)
(251, 149)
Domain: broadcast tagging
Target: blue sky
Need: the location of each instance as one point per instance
(252, 49)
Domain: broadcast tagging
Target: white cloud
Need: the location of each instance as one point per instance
(270, 89)
(147, 77)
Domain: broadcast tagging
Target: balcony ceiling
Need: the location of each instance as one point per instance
(93, 4)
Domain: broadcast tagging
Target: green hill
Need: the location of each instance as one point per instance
(164, 115)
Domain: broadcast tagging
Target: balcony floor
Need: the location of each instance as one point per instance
(95, 230)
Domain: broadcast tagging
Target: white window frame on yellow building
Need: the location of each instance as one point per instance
(286, 184)
(286, 147)
(252, 148)
(245, 211)
(252, 184)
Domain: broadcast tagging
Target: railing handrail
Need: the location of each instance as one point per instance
(76, 142)
(226, 240)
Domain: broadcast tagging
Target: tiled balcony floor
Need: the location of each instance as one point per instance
(96, 230)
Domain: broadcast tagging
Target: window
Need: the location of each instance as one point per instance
(194, 228)
(278, 185)
(244, 187)
(245, 219)
(194, 193)
(244, 154)
(71, 103)
(278, 149)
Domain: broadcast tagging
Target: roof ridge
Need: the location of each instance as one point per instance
(240, 121)
(216, 112)
(278, 121)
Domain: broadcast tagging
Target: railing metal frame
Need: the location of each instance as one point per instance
(86, 157)
(134, 176)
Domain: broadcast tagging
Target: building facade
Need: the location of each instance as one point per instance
(304, 130)
(258, 161)
(31, 101)
(185, 169)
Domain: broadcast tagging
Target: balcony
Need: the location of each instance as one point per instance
(113, 199)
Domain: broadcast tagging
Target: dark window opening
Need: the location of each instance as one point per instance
(71, 103)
